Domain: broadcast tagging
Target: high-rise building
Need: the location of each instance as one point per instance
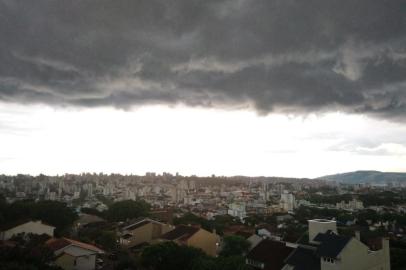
(287, 202)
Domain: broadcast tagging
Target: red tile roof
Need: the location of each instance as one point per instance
(57, 244)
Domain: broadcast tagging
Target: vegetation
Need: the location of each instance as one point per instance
(128, 209)
(397, 258)
(385, 198)
(235, 246)
(218, 223)
(170, 256)
(29, 254)
(92, 211)
(107, 239)
(303, 214)
(51, 212)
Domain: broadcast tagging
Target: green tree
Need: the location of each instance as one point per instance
(107, 239)
(232, 263)
(55, 213)
(128, 209)
(30, 254)
(170, 256)
(234, 246)
(189, 218)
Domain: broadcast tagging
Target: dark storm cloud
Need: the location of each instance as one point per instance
(280, 55)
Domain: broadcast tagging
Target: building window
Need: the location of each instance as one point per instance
(329, 260)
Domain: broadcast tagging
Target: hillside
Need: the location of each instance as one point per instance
(372, 177)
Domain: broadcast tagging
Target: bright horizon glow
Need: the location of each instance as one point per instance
(38, 139)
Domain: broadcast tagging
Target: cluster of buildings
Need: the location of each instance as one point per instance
(210, 196)
(68, 253)
(322, 248)
(352, 205)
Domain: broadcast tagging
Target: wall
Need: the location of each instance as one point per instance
(141, 234)
(66, 262)
(85, 259)
(355, 256)
(86, 262)
(204, 240)
(320, 226)
(148, 232)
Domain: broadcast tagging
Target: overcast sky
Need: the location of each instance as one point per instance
(272, 87)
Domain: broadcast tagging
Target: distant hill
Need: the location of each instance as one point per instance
(372, 177)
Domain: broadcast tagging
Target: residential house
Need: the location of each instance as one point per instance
(327, 250)
(74, 255)
(142, 231)
(194, 236)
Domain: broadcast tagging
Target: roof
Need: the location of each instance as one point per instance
(331, 244)
(137, 225)
(59, 243)
(127, 236)
(243, 234)
(56, 244)
(87, 219)
(181, 231)
(141, 222)
(303, 259)
(10, 225)
(271, 253)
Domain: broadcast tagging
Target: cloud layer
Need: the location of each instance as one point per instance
(288, 56)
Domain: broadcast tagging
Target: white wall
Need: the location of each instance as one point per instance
(86, 262)
(317, 226)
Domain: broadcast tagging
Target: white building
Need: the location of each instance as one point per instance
(351, 205)
(237, 210)
(287, 202)
(29, 227)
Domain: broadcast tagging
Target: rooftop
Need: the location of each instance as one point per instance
(303, 259)
(181, 231)
(59, 243)
(331, 244)
(271, 253)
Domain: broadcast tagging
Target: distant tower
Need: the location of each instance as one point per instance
(287, 202)
(265, 189)
(90, 190)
